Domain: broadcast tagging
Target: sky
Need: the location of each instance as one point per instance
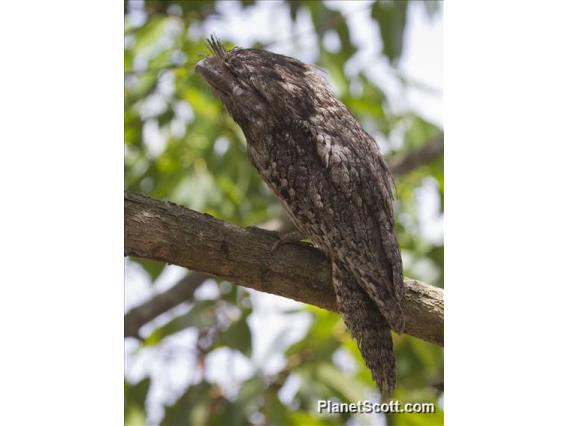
(171, 364)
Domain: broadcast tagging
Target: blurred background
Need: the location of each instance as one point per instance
(219, 354)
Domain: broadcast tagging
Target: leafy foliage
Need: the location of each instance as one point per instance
(181, 146)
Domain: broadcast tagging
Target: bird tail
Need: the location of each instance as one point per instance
(367, 325)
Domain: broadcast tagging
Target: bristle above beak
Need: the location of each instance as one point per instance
(216, 47)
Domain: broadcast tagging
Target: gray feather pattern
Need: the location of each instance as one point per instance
(330, 176)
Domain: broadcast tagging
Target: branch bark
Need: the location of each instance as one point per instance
(166, 232)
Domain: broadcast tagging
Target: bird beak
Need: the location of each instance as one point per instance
(211, 69)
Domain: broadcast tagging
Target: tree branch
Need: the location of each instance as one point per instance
(420, 157)
(181, 292)
(170, 233)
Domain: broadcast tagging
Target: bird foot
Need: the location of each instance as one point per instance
(293, 237)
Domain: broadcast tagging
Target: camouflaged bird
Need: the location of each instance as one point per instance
(330, 176)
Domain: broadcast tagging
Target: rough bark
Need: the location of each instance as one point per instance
(173, 234)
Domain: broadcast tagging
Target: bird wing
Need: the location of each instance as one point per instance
(363, 189)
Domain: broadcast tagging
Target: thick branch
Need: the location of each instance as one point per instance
(170, 233)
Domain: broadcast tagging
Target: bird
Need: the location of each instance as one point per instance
(332, 180)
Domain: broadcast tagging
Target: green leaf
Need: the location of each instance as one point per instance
(149, 34)
(419, 132)
(346, 387)
(391, 18)
(152, 267)
(201, 315)
(238, 336)
(322, 338)
(191, 408)
(134, 402)
(420, 419)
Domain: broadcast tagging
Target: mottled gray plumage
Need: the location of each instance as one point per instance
(330, 176)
